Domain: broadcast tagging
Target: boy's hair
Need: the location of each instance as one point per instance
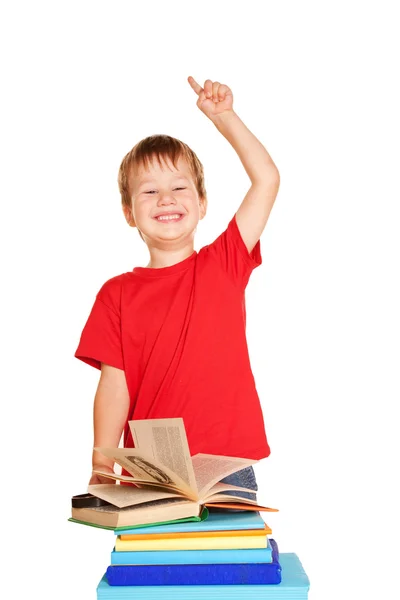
(160, 146)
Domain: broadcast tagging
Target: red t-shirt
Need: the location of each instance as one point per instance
(179, 334)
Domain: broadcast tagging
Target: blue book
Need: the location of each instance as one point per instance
(192, 557)
(203, 574)
(221, 521)
(294, 586)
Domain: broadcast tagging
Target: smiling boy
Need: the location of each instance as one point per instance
(169, 338)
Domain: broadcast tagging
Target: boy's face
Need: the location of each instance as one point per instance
(165, 203)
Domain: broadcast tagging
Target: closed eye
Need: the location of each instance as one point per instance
(154, 191)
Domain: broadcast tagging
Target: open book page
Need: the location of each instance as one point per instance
(240, 504)
(139, 482)
(229, 498)
(209, 469)
(123, 495)
(219, 488)
(226, 498)
(145, 469)
(216, 489)
(165, 440)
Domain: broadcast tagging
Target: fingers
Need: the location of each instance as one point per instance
(213, 90)
(208, 88)
(223, 91)
(97, 479)
(197, 88)
(215, 87)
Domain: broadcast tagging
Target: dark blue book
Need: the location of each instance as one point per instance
(295, 585)
(204, 574)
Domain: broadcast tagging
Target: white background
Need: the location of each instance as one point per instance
(316, 82)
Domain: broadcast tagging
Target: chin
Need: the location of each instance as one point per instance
(176, 231)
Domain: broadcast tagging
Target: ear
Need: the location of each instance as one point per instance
(203, 206)
(128, 215)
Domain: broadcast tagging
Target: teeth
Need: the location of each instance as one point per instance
(168, 217)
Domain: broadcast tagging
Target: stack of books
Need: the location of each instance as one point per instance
(227, 555)
(176, 533)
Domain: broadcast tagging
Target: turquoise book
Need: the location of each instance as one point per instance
(294, 585)
(214, 521)
(193, 557)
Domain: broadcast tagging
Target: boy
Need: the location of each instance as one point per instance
(170, 338)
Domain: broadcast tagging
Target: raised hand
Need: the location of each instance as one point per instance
(214, 99)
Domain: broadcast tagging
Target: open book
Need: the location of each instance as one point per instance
(163, 471)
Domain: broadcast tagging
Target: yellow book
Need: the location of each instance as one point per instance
(197, 534)
(237, 542)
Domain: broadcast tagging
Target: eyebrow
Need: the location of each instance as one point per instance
(152, 180)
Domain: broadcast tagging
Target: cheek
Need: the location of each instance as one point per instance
(191, 201)
(143, 205)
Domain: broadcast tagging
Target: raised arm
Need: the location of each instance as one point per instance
(110, 411)
(216, 101)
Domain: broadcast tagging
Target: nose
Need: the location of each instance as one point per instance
(166, 198)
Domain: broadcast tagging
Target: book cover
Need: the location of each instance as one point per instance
(294, 585)
(194, 574)
(193, 557)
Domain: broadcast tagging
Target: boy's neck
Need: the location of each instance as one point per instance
(166, 257)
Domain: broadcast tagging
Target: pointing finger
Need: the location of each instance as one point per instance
(195, 86)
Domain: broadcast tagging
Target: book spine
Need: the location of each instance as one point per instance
(192, 557)
(212, 543)
(191, 528)
(190, 535)
(227, 574)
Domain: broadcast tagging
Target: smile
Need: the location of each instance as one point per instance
(169, 218)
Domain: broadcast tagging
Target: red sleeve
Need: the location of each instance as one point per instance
(100, 340)
(230, 251)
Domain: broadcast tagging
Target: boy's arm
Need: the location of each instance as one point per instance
(110, 412)
(216, 101)
(254, 211)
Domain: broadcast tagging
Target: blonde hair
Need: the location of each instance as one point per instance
(160, 146)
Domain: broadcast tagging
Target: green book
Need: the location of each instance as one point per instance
(202, 517)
